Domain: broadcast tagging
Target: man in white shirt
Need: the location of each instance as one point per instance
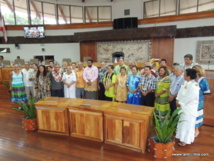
(27, 81)
(188, 62)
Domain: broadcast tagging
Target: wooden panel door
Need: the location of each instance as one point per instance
(209, 101)
(124, 132)
(85, 124)
(163, 48)
(88, 49)
(53, 120)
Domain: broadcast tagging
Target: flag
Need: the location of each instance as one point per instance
(2, 26)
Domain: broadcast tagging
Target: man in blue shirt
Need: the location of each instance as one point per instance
(175, 86)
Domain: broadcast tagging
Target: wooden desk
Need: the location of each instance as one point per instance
(113, 123)
(52, 116)
(0, 74)
(209, 101)
(5, 73)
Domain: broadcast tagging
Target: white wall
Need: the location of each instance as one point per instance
(188, 46)
(60, 51)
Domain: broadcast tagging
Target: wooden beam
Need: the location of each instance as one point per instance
(195, 32)
(62, 14)
(35, 9)
(9, 5)
(89, 16)
(127, 34)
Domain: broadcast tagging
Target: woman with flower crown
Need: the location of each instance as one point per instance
(120, 86)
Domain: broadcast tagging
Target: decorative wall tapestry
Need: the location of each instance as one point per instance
(134, 51)
(205, 52)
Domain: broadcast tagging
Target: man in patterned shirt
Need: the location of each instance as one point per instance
(101, 88)
(147, 87)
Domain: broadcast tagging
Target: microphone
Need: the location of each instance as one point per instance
(208, 64)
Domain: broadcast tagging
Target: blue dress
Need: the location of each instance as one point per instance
(204, 89)
(133, 83)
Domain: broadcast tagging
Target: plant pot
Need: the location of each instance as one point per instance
(30, 124)
(161, 150)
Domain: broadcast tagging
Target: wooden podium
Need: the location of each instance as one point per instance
(119, 124)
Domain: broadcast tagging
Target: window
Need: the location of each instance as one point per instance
(36, 12)
(97, 14)
(151, 9)
(64, 14)
(189, 6)
(76, 14)
(21, 12)
(49, 13)
(168, 7)
(206, 5)
(8, 12)
(91, 14)
(104, 14)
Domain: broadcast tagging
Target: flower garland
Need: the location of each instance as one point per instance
(57, 75)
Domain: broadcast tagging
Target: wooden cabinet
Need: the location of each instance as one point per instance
(86, 124)
(125, 132)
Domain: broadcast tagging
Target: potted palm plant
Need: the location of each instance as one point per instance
(29, 111)
(162, 145)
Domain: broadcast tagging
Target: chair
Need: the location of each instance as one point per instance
(36, 61)
(47, 62)
(97, 64)
(68, 60)
(85, 59)
(20, 62)
(6, 63)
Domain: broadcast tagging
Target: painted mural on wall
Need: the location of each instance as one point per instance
(205, 52)
(134, 51)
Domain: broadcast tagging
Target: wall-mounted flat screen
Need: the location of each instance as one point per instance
(34, 32)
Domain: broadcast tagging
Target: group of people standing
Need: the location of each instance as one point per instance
(183, 87)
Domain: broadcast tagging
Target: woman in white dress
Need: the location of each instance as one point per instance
(187, 100)
(69, 80)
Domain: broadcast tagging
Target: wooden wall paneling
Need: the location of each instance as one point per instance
(209, 101)
(88, 49)
(163, 48)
